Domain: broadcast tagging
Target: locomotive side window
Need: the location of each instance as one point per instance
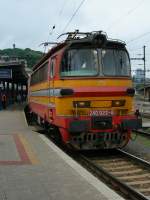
(43, 73)
(39, 75)
(80, 62)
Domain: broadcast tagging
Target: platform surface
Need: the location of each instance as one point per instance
(33, 168)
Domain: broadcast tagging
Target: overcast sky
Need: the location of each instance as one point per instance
(27, 23)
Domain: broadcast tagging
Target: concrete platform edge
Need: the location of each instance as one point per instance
(25, 119)
(101, 187)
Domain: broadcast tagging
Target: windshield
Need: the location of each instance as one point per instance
(115, 63)
(80, 62)
(95, 62)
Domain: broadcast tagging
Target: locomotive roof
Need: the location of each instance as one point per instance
(98, 39)
(48, 54)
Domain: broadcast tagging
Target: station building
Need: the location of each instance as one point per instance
(147, 92)
(13, 78)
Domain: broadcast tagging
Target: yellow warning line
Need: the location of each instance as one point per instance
(28, 149)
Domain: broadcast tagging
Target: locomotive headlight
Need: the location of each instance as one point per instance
(81, 104)
(118, 103)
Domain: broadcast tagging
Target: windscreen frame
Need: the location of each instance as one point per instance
(98, 48)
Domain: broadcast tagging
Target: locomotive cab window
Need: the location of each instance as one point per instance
(95, 62)
(115, 62)
(80, 62)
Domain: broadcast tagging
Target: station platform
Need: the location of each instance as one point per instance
(33, 168)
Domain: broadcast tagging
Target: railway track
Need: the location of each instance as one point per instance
(125, 173)
(141, 132)
(146, 115)
(128, 174)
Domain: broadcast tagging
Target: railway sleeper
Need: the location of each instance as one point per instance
(109, 160)
(127, 172)
(140, 179)
(128, 178)
(122, 164)
(145, 191)
(132, 178)
(140, 183)
(122, 168)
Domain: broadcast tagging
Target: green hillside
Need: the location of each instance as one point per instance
(30, 55)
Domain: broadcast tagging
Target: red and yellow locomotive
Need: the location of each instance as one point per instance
(81, 90)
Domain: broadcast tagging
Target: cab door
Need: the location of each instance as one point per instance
(51, 84)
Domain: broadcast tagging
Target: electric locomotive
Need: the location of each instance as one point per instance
(81, 92)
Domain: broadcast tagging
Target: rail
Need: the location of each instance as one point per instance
(129, 174)
(141, 132)
(126, 173)
(144, 108)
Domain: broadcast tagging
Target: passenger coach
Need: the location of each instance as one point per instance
(81, 92)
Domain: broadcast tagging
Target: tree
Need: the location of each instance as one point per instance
(31, 56)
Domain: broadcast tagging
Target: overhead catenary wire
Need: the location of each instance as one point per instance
(129, 12)
(73, 15)
(54, 26)
(135, 49)
(138, 37)
(59, 15)
(62, 7)
(61, 10)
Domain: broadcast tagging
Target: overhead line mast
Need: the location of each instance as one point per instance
(144, 60)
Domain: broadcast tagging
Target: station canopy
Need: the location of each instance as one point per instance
(13, 70)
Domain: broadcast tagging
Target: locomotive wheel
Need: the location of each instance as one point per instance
(54, 134)
(31, 117)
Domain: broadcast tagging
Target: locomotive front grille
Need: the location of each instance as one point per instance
(101, 123)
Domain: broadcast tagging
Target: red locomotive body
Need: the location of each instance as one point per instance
(81, 91)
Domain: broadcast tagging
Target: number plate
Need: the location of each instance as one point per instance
(100, 113)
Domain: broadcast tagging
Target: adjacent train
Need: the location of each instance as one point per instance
(81, 92)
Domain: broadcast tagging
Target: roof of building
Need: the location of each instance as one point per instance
(17, 67)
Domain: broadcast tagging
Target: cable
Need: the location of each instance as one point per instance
(135, 49)
(127, 14)
(73, 15)
(53, 28)
(62, 8)
(60, 13)
(140, 36)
